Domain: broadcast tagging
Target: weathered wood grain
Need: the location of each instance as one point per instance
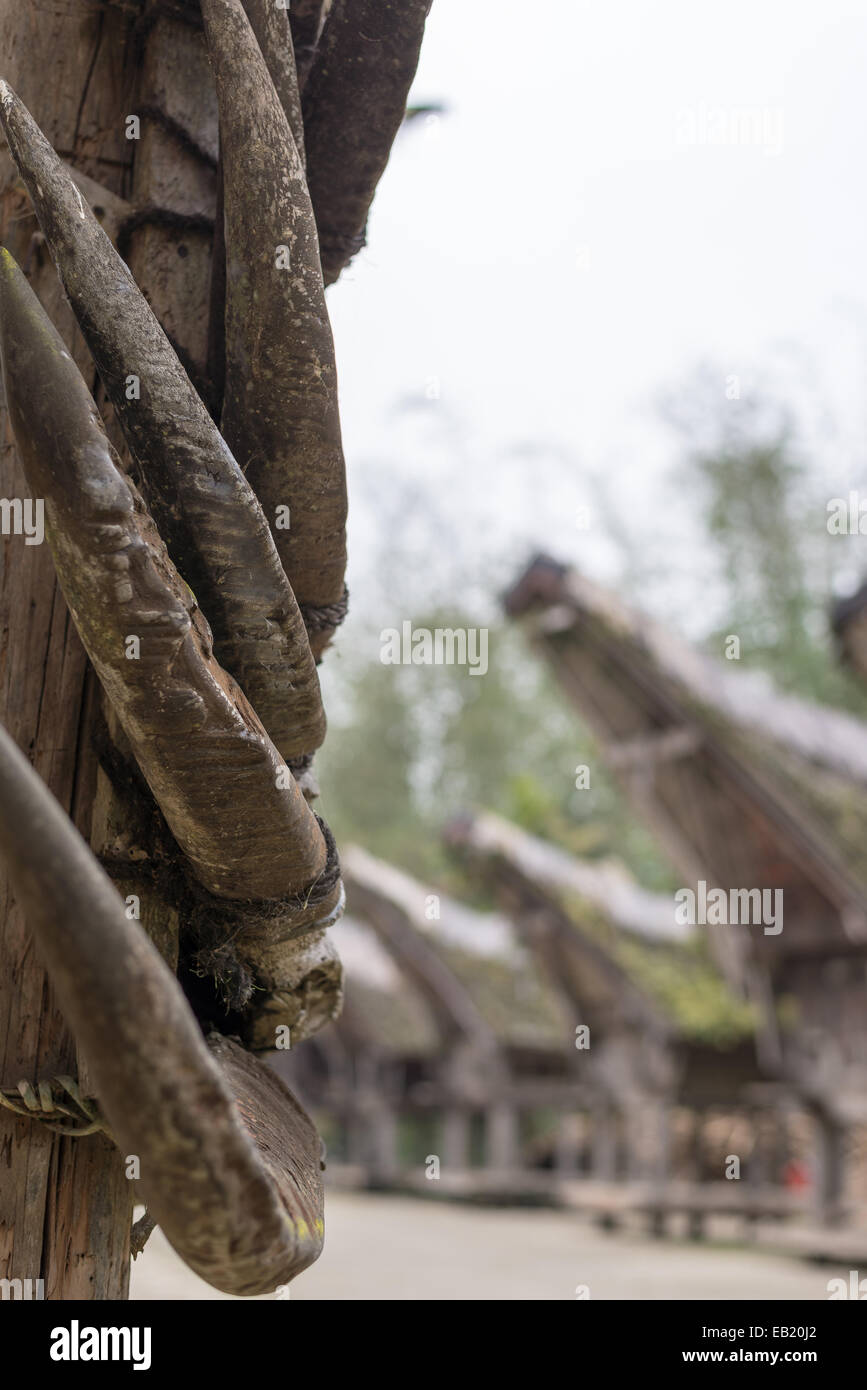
(71, 62)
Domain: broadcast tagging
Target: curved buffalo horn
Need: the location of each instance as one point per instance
(305, 20)
(273, 31)
(206, 510)
(274, 37)
(229, 1162)
(280, 411)
(226, 794)
(354, 103)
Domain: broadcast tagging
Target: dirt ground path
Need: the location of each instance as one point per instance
(396, 1248)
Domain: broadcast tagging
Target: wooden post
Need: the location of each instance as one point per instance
(604, 1143)
(830, 1153)
(357, 1134)
(65, 1203)
(501, 1137)
(383, 1143)
(635, 1142)
(661, 1141)
(567, 1146)
(696, 1151)
(456, 1139)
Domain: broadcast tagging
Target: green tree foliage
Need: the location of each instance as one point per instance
(762, 502)
(420, 744)
(411, 746)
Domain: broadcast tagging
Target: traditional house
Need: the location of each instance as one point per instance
(849, 624)
(656, 1028)
(524, 1051)
(450, 1045)
(746, 789)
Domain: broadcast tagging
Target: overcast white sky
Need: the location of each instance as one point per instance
(555, 253)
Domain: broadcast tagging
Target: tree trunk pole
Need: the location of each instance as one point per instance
(65, 1204)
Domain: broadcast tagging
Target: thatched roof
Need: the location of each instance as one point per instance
(561, 599)
(744, 786)
(467, 971)
(622, 956)
(382, 1006)
(605, 885)
(849, 624)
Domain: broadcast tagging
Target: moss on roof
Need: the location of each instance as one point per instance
(397, 1021)
(812, 759)
(687, 986)
(680, 979)
(831, 807)
(514, 1000)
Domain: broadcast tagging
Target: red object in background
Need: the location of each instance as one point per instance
(796, 1176)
